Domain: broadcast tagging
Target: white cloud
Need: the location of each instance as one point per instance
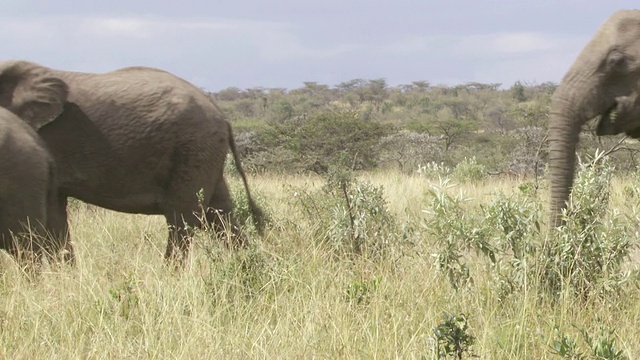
(128, 27)
(157, 27)
(513, 44)
(283, 46)
(522, 43)
(244, 51)
(270, 41)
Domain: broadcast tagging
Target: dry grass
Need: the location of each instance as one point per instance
(287, 298)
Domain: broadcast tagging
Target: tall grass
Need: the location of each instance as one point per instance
(292, 295)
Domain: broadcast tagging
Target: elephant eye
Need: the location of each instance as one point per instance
(616, 60)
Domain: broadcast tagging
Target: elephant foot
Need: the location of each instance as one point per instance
(178, 245)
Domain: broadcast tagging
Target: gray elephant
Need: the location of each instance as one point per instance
(603, 81)
(134, 140)
(28, 192)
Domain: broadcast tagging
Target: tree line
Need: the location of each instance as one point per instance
(367, 125)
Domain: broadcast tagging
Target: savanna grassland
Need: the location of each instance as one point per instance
(352, 265)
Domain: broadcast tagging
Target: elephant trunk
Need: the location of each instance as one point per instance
(571, 107)
(563, 138)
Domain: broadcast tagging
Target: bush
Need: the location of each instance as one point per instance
(453, 230)
(468, 170)
(583, 259)
(587, 252)
(320, 140)
(409, 150)
(350, 215)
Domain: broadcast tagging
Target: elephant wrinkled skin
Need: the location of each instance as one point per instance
(602, 82)
(27, 193)
(135, 140)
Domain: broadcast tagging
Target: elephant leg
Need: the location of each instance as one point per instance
(220, 214)
(192, 185)
(22, 229)
(181, 225)
(60, 247)
(183, 213)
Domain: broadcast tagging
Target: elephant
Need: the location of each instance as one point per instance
(603, 83)
(28, 192)
(134, 140)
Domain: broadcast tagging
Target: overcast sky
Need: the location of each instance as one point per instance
(283, 43)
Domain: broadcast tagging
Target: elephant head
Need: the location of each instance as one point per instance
(603, 81)
(32, 92)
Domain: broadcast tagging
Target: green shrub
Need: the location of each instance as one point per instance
(319, 140)
(601, 346)
(350, 215)
(453, 338)
(453, 231)
(468, 170)
(514, 228)
(587, 252)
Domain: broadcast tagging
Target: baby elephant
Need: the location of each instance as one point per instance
(27, 193)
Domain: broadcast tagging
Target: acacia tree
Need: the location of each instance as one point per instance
(321, 139)
(452, 128)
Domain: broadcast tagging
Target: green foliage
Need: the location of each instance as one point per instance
(469, 170)
(281, 110)
(503, 233)
(585, 257)
(512, 225)
(453, 338)
(514, 220)
(517, 91)
(242, 211)
(408, 150)
(360, 291)
(350, 215)
(453, 233)
(565, 346)
(601, 346)
(587, 252)
(320, 140)
(299, 130)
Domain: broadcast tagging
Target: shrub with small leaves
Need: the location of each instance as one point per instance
(314, 142)
(587, 252)
(350, 215)
(360, 291)
(407, 150)
(603, 346)
(454, 231)
(468, 170)
(564, 345)
(514, 226)
(600, 347)
(453, 337)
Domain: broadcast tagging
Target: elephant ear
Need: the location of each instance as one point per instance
(33, 93)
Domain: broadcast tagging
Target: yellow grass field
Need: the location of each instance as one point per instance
(289, 297)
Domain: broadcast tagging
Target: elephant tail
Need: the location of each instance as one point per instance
(256, 212)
